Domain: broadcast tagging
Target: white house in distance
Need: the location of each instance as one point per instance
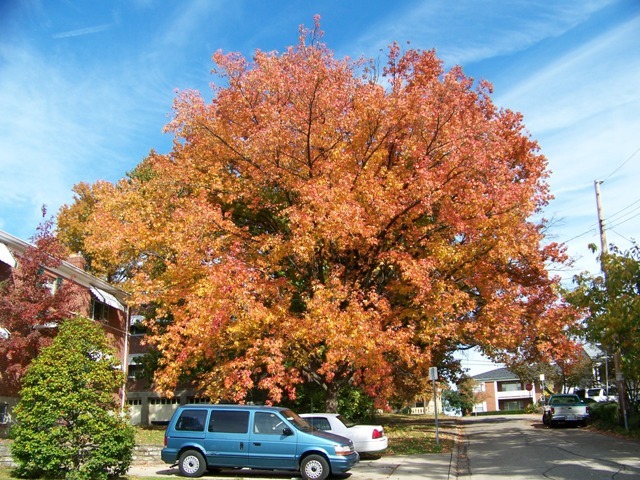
(502, 390)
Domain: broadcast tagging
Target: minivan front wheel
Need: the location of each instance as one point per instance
(192, 464)
(314, 467)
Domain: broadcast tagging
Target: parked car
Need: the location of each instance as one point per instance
(366, 438)
(567, 408)
(597, 394)
(203, 437)
(600, 395)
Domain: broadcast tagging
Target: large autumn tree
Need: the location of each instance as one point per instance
(32, 303)
(322, 221)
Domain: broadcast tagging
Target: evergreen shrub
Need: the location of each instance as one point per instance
(69, 423)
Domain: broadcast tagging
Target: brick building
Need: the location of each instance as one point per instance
(502, 390)
(101, 301)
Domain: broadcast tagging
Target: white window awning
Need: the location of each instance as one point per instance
(7, 257)
(107, 298)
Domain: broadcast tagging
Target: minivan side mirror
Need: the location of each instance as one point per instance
(287, 431)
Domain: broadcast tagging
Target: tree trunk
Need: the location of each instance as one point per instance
(331, 401)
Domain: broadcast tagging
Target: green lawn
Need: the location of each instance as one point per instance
(149, 435)
(416, 434)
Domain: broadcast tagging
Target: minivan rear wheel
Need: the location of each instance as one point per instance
(192, 464)
(314, 467)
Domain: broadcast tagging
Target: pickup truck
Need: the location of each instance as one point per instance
(566, 408)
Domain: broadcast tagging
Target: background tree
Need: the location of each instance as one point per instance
(463, 399)
(612, 309)
(314, 225)
(68, 419)
(32, 301)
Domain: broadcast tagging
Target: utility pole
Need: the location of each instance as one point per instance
(617, 360)
(603, 236)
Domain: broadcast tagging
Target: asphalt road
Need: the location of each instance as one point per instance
(521, 447)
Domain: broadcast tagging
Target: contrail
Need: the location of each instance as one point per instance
(83, 31)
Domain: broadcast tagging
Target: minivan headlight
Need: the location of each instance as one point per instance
(343, 449)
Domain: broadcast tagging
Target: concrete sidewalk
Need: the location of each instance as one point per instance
(440, 466)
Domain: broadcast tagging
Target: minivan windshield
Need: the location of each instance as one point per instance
(298, 422)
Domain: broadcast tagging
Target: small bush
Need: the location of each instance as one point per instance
(68, 420)
(605, 414)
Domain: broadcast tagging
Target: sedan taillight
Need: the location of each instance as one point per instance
(377, 433)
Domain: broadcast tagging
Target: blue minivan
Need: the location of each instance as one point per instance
(210, 437)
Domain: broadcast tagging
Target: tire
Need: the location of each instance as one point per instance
(192, 464)
(314, 467)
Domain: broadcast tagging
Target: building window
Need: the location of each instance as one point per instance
(508, 405)
(99, 311)
(164, 401)
(53, 284)
(198, 400)
(4, 413)
(135, 371)
(134, 402)
(137, 326)
(137, 330)
(510, 386)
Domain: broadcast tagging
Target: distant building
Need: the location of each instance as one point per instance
(102, 302)
(502, 390)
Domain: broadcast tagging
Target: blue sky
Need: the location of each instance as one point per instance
(87, 86)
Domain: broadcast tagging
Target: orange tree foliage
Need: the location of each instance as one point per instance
(315, 222)
(31, 303)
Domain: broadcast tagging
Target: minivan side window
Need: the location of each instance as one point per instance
(229, 421)
(268, 423)
(192, 420)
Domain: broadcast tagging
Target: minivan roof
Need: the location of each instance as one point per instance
(232, 405)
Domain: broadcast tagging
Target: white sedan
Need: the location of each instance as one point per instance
(366, 438)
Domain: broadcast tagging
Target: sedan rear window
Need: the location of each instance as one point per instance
(320, 423)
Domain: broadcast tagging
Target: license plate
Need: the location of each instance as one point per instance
(571, 417)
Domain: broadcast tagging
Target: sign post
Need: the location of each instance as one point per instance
(433, 375)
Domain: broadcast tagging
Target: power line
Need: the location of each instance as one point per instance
(620, 235)
(623, 209)
(623, 221)
(621, 165)
(619, 222)
(591, 230)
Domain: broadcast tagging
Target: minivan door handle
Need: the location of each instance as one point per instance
(257, 444)
(241, 445)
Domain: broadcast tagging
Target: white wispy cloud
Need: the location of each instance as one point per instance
(83, 31)
(67, 123)
(582, 107)
(464, 32)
